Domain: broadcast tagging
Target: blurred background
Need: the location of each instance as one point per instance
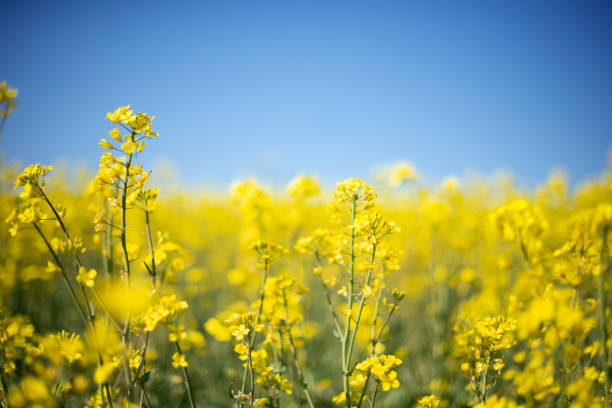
(412, 91)
(335, 89)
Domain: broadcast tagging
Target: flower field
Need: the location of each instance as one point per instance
(390, 294)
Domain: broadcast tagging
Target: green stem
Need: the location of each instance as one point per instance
(4, 388)
(109, 397)
(298, 369)
(77, 265)
(143, 352)
(186, 376)
(251, 341)
(376, 311)
(151, 251)
(523, 249)
(126, 259)
(125, 333)
(602, 313)
(63, 272)
(56, 214)
(2, 122)
(361, 305)
(263, 291)
(143, 358)
(483, 382)
(328, 298)
(364, 390)
(252, 378)
(386, 322)
(374, 395)
(347, 325)
(373, 338)
(146, 396)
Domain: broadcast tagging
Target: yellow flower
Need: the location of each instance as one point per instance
(103, 372)
(8, 99)
(354, 191)
(383, 368)
(129, 146)
(268, 252)
(401, 173)
(428, 401)
(115, 135)
(176, 333)
(86, 277)
(242, 350)
(121, 113)
(217, 329)
(105, 144)
(303, 187)
(52, 268)
(240, 332)
(178, 360)
(163, 311)
(368, 291)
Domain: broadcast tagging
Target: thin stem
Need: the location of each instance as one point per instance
(329, 301)
(143, 353)
(523, 249)
(125, 333)
(251, 341)
(386, 322)
(146, 396)
(112, 319)
(63, 272)
(252, 378)
(364, 390)
(374, 395)
(263, 290)
(152, 252)
(347, 329)
(2, 122)
(376, 311)
(483, 382)
(187, 380)
(602, 312)
(124, 220)
(109, 398)
(298, 369)
(55, 213)
(4, 388)
(373, 339)
(77, 265)
(361, 305)
(108, 240)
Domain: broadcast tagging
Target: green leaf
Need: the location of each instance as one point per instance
(230, 391)
(149, 269)
(145, 377)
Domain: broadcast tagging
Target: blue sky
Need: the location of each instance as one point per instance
(332, 88)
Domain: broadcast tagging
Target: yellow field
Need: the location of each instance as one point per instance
(392, 295)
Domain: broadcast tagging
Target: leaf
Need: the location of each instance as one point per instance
(302, 383)
(145, 377)
(149, 269)
(230, 391)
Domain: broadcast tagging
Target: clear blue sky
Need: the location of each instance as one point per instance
(331, 87)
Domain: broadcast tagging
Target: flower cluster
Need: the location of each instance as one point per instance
(382, 367)
(482, 342)
(163, 312)
(268, 252)
(8, 99)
